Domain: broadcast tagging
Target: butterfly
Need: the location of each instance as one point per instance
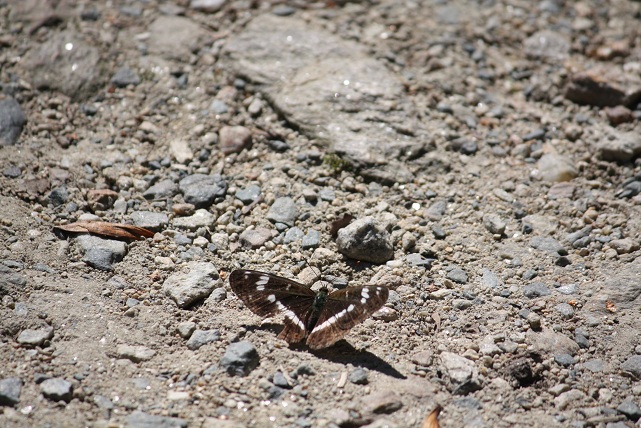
(323, 318)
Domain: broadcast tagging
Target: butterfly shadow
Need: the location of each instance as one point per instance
(344, 353)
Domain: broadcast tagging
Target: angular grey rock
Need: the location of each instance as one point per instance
(12, 120)
(622, 287)
(595, 366)
(457, 275)
(207, 6)
(566, 310)
(630, 409)
(571, 397)
(293, 234)
(547, 44)
(240, 359)
(140, 419)
(280, 380)
(201, 218)
(494, 224)
(150, 220)
(553, 167)
(124, 77)
(202, 190)
(201, 338)
(50, 64)
(624, 246)
(311, 239)
(218, 295)
(632, 367)
(462, 374)
(283, 210)
(10, 391)
(620, 146)
(101, 253)
(173, 37)
(299, 77)
(366, 240)
(249, 194)
(164, 189)
(35, 337)
(194, 284)
(103, 402)
(565, 360)
(581, 233)
(550, 342)
(436, 211)
(490, 280)
(549, 245)
(358, 376)
(536, 289)
(255, 238)
(135, 353)
(219, 107)
(185, 329)
(57, 389)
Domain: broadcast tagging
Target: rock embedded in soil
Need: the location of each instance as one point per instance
(164, 189)
(201, 218)
(553, 167)
(101, 253)
(240, 359)
(549, 342)
(620, 146)
(150, 220)
(202, 190)
(461, 373)
(283, 210)
(358, 376)
(192, 285)
(249, 194)
(57, 389)
(185, 329)
(632, 366)
(366, 240)
(255, 238)
(10, 389)
(35, 337)
(201, 338)
(311, 239)
(12, 120)
(630, 409)
(139, 419)
(135, 353)
(234, 139)
(124, 77)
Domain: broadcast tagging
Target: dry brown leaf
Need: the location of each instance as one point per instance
(106, 229)
(431, 421)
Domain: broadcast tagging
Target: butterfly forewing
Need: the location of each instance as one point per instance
(267, 295)
(343, 310)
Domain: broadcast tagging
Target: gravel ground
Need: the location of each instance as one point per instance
(488, 151)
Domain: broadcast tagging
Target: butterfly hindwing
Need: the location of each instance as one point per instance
(268, 295)
(343, 310)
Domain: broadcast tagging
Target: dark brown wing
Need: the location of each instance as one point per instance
(343, 310)
(266, 295)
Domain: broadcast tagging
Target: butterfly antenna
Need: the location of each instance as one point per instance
(320, 273)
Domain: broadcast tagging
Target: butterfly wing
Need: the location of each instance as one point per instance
(343, 310)
(268, 295)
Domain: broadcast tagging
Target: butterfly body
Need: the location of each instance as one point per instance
(322, 318)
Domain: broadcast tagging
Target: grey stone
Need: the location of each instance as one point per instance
(536, 289)
(494, 224)
(283, 210)
(101, 253)
(12, 120)
(201, 218)
(630, 409)
(150, 220)
(416, 259)
(490, 280)
(564, 359)
(461, 304)
(202, 337)
(548, 244)
(567, 289)
(50, 63)
(255, 238)
(621, 287)
(103, 402)
(366, 240)
(632, 366)
(581, 233)
(185, 329)
(124, 77)
(547, 44)
(572, 397)
(219, 107)
(139, 419)
(280, 380)
(461, 373)
(135, 353)
(436, 211)
(620, 146)
(164, 189)
(240, 359)
(59, 196)
(299, 79)
(327, 194)
(595, 366)
(311, 239)
(566, 310)
(358, 376)
(202, 190)
(218, 295)
(10, 389)
(293, 234)
(57, 389)
(624, 246)
(383, 402)
(35, 337)
(172, 37)
(457, 275)
(234, 139)
(248, 194)
(207, 6)
(194, 284)
(550, 342)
